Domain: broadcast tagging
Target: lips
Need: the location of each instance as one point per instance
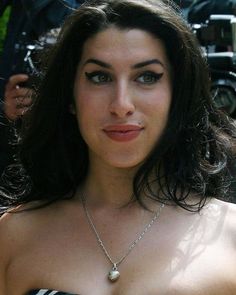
(123, 133)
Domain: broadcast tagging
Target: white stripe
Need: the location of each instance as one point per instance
(53, 293)
(42, 292)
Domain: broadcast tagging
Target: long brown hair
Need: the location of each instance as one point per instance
(194, 150)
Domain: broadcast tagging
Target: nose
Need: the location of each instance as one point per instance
(122, 103)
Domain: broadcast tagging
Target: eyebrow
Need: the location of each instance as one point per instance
(98, 62)
(148, 62)
(136, 66)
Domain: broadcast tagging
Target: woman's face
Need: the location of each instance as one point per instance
(122, 95)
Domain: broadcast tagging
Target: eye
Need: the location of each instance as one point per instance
(98, 77)
(149, 78)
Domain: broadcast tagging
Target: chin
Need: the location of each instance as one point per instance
(118, 159)
(126, 163)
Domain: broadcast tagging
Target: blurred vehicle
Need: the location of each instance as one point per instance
(218, 37)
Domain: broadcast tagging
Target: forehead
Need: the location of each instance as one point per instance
(114, 44)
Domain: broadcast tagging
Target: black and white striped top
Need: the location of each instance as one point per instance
(48, 292)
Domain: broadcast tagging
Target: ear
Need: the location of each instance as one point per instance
(72, 109)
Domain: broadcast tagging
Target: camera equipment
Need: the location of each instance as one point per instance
(28, 56)
(218, 38)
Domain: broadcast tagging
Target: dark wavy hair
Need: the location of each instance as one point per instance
(194, 152)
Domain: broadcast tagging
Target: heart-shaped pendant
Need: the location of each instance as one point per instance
(113, 274)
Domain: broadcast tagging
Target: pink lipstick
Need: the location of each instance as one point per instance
(122, 133)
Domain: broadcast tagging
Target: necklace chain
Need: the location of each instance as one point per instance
(132, 245)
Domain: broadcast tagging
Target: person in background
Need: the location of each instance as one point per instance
(28, 21)
(122, 164)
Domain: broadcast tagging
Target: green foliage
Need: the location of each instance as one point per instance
(3, 26)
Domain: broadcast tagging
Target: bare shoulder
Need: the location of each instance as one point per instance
(25, 222)
(225, 215)
(22, 223)
(27, 219)
(225, 211)
(26, 235)
(14, 230)
(209, 247)
(17, 225)
(222, 217)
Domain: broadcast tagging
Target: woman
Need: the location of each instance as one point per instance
(124, 157)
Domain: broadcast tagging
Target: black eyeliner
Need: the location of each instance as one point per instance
(92, 74)
(156, 75)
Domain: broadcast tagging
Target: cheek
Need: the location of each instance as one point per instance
(158, 103)
(88, 110)
(83, 99)
(91, 101)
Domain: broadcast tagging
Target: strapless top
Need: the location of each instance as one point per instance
(48, 292)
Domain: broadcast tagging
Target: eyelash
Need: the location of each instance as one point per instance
(107, 77)
(91, 77)
(154, 77)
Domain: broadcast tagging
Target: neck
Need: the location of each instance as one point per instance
(108, 187)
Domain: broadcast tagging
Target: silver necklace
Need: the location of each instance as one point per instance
(114, 274)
